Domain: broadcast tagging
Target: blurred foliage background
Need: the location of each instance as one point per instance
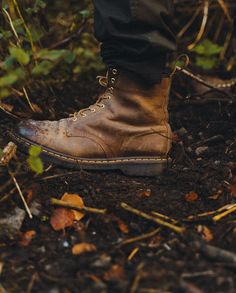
(45, 44)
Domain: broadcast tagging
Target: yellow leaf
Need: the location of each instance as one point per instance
(62, 217)
(84, 247)
(76, 200)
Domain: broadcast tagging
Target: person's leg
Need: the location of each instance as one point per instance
(127, 128)
(136, 35)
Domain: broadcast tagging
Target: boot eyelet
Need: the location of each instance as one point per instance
(114, 71)
(108, 97)
(92, 110)
(102, 106)
(74, 119)
(113, 80)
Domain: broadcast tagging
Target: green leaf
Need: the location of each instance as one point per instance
(8, 79)
(20, 55)
(207, 48)
(1, 153)
(85, 13)
(35, 151)
(207, 63)
(70, 57)
(8, 63)
(4, 93)
(35, 164)
(77, 69)
(43, 68)
(34, 161)
(52, 55)
(7, 34)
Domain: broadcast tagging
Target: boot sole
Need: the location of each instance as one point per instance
(131, 166)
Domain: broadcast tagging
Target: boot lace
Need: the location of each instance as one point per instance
(103, 81)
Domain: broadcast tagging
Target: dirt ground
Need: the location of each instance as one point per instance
(200, 179)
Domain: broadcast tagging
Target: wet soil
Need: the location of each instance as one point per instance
(203, 156)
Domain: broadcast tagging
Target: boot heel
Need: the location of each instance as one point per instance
(154, 169)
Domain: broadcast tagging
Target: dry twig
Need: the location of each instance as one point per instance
(140, 238)
(61, 203)
(161, 222)
(21, 195)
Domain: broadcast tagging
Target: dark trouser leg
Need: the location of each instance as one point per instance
(136, 35)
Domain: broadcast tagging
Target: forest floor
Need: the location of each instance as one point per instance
(202, 178)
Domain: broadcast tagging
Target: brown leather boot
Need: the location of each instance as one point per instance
(126, 129)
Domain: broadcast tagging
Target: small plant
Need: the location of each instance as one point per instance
(43, 45)
(34, 161)
(207, 54)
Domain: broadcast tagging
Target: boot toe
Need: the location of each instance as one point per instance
(26, 129)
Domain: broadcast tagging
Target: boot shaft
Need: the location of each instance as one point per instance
(138, 97)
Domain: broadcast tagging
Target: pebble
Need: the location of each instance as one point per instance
(201, 150)
(11, 223)
(181, 132)
(65, 244)
(103, 261)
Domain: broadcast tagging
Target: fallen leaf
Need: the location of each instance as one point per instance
(155, 242)
(116, 272)
(62, 217)
(27, 237)
(29, 196)
(145, 193)
(232, 189)
(76, 200)
(191, 196)
(216, 195)
(206, 233)
(84, 247)
(122, 226)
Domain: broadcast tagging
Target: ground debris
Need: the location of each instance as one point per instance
(216, 253)
(10, 223)
(63, 218)
(81, 248)
(8, 153)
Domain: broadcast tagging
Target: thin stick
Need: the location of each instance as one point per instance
(175, 228)
(19, 45)
(12, 26)
(224, 214)
(216, 88)
(220, 211)
(137, 278)
(140, 238)
(188, 25)
(61, 203)
(164, 217)
(57, 176)
(133, 253)
(21, 195)
(25, 26)
(203, 25)
(28, 100)
(225, 9)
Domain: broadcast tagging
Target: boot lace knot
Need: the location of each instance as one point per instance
(103, 81)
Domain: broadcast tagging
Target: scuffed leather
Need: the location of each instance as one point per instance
(134, 122)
